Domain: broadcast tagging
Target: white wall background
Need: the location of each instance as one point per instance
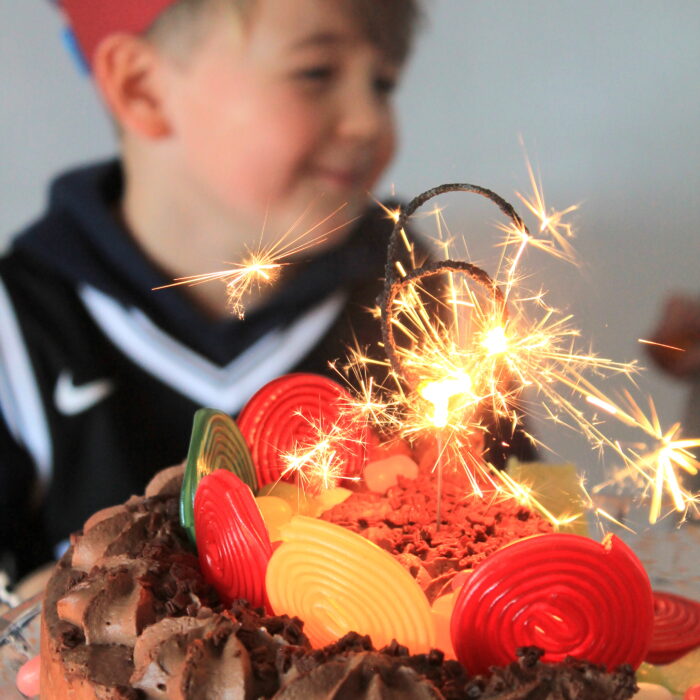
(604, 93)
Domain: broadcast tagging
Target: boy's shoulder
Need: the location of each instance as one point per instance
(40, 273)
(77, 200)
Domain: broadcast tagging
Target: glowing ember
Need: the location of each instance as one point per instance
(439, 394)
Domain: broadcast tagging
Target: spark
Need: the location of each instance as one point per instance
(660, 461)
(317, 462)
(660, 345)
(555, 233)
(262, 266)
(613, 520)
(524, 495)
(317, 466)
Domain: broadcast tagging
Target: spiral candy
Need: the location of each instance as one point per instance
(232, 540)
(337, 581)
(676, 628)
(286, 413)
(216, 443)
(564, 593)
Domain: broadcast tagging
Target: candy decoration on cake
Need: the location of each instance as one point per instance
(291, 412)
(337, 581)
(564, 593)
(216, 443)
(276, 512)
(692, 693)
(676, 628)
(232, 540)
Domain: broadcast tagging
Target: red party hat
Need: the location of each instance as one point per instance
(93, 20)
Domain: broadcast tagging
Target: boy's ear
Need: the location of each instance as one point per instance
(126, 70)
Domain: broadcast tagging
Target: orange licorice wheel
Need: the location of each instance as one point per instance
(288, 412)
(232, 540)
(337, 582)
(564, 593)
(676, 628)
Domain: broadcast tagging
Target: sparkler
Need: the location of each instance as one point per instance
(470, 346)
(460, 346)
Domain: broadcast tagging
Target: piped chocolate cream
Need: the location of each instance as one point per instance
(111, 609)
(129, 612)
(530, 679)
(360, 675)
(188, 657)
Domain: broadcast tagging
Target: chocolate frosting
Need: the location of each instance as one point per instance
(166, 482)
(360, 676)
(109, 669)
(189, 658)
(530, 679)
(216, 667)
(110, 609)
(91, 546)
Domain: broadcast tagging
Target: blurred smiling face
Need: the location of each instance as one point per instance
(290, 108)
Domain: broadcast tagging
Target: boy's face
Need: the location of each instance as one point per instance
(292, 111)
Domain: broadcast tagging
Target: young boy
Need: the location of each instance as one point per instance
(235, 118)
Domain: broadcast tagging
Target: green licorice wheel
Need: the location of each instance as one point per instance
(216, 443)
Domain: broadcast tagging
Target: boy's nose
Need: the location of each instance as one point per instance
(364, 117)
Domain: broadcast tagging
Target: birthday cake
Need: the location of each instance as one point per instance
(258, 575)
(128, 614)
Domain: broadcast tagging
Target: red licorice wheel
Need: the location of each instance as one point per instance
(676, 628)
(287, 412)
(564, 593)
(232, 541)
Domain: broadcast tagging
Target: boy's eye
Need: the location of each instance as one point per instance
(316, 73)
(384, 85)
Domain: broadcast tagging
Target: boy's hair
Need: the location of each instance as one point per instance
(389, 24)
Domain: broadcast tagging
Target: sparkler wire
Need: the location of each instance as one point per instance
(394, 285)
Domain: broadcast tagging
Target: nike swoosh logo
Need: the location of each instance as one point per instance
(71, 399)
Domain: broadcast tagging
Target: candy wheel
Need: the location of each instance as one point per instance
(288, 413)
(564, 593)
(337, 582)
(216, 443)
(232, 540)
(676, 628)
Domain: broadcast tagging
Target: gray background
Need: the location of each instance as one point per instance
(603, 94)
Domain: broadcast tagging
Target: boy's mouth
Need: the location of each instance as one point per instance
(339, 178)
